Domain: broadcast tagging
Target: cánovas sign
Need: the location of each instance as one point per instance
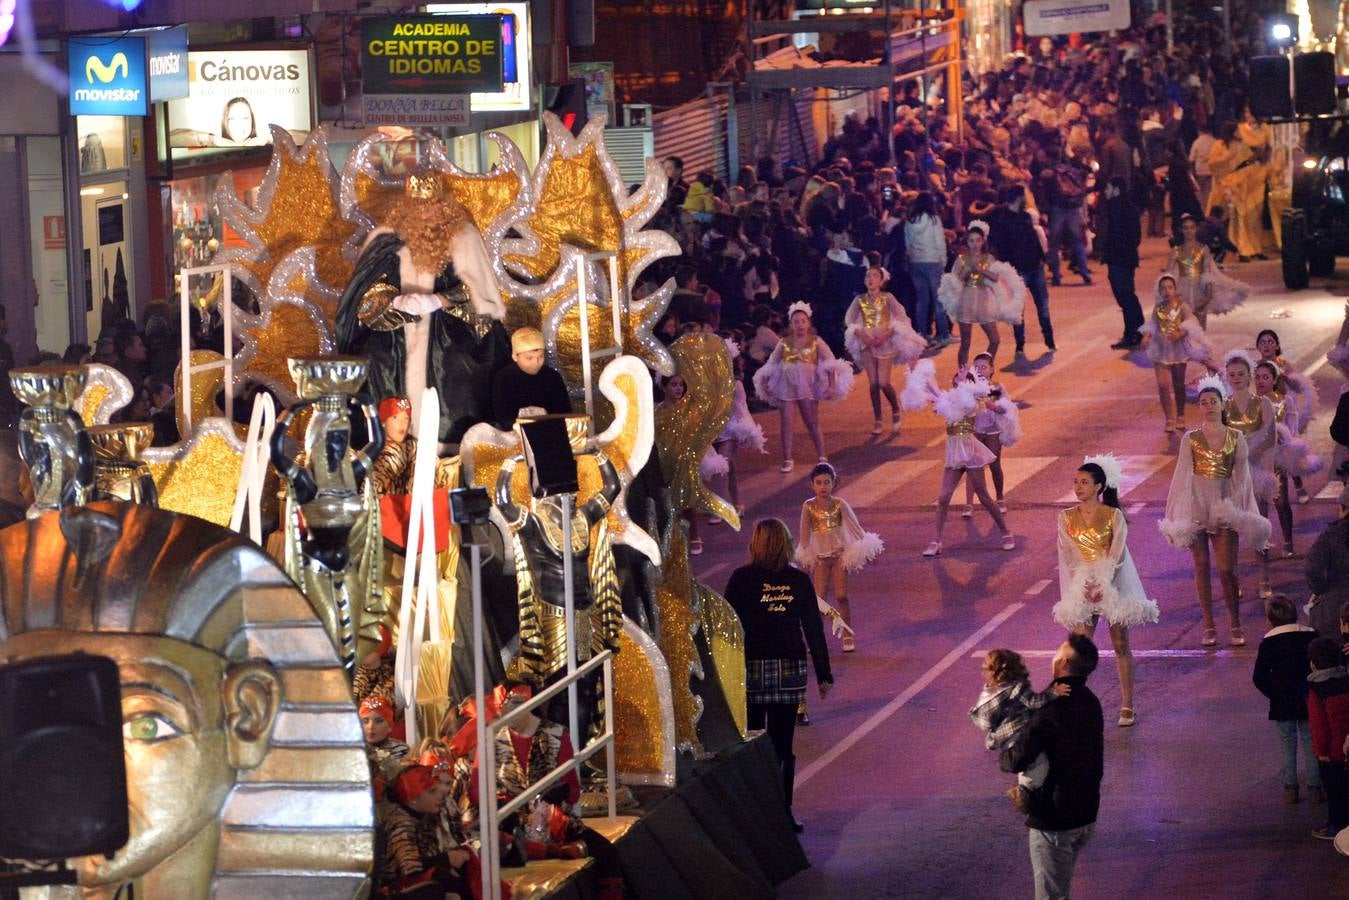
(220, 70)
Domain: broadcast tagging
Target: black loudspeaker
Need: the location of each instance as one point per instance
(552, 467)
(62, 773)
(581, 23)
(1314, 83)
(1269, 93)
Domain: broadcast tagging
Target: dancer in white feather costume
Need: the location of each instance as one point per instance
(1097, 576)
(1255, 418)
(981, 290)
(1172, 339)
(878, 334)
(831, 543)
(997, 424)
(800, 373)
(1293, 387)
(1212, 502)
(966, 455)
(1205, 288)
(1292, 457)
(741, 432)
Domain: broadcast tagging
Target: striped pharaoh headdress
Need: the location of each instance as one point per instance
(300, 823)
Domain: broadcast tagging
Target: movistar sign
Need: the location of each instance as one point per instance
(108, 77)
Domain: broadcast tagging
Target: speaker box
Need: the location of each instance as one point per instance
(1314, 83)
(62, 773)
(552, 467)
(581, 23)
(1269, 93)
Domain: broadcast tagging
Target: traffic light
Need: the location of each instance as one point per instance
(568, 103)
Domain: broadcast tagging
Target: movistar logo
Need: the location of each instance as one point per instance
(96, 70)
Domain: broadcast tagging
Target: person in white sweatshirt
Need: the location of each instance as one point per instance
(925, 243)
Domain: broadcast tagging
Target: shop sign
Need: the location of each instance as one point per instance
(167, 49)
(108, 77)
(415, 109)
(1046, 17)
(403, 55)
(234, 95)
(517, 45)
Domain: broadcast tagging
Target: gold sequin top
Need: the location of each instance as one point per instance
(1092, 539)
(975, 268)
(1190, 264)
(822, 520)
(1169, 318)
(1249, 422)
(964, 426)
(806, 354)
(875, 310)
(1214, 464)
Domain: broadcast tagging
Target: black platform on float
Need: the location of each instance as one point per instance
(724, 834)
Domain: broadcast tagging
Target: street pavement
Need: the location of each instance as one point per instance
(898, 795)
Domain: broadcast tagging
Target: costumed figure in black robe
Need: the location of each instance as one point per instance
(424, 308)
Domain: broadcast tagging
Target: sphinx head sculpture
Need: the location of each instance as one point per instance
(237, 764)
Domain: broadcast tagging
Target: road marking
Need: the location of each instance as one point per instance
(1137, 654)
(1036, 589)
(1017, 469)
(1331, 491)
(865, 489)
(1136, 508)
(1137, 469)
(909, 693)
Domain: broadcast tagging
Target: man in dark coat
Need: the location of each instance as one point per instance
(1013, 240)
(1123, 235)
(1070, 732)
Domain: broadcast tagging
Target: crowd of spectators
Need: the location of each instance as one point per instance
(1069, 136)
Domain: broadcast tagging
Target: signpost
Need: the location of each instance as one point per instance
(420, 70)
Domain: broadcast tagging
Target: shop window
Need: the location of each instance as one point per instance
(102, 143)
(198, 230)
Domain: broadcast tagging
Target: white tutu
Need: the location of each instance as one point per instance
(741, 429)
(1294, 457)
(1003, 300)
(779, 382)
(841, 382)
(1119, 595)
(713, 465)
(1196, 504)
(1213, 292)
(920, 386)
(901, 341)
(1003, 420)
(965, 451)
(1191, 346)
(1301, 399)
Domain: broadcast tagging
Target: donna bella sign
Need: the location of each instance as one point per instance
(420, 70)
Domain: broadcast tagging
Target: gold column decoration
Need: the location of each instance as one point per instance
(726, 640)
(679, 623)
(688, 427)
(119, 473)
(52, 439)
(246, 770)
(644, 730)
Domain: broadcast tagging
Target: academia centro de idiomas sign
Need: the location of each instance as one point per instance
(420, 70)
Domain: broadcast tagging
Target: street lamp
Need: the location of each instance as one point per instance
(1281, 28)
